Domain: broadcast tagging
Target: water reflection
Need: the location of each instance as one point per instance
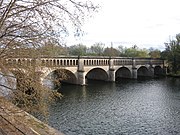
(125, 107)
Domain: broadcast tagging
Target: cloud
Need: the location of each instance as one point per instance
(144, 22)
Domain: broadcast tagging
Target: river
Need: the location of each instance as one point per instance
(127, 107)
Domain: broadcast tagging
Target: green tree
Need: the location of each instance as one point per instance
(78, 50)
(154, 53)
(135, 52)
(97, 49)
(173, 53)
(121, 50)
(111, 52)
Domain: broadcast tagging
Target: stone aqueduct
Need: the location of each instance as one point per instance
(98, 68)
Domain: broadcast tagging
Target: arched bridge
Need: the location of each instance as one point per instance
(99, 68)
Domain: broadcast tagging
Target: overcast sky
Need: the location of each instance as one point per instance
(146, 23)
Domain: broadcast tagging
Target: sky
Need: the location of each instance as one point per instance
(145, 23)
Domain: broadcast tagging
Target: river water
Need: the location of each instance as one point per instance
(127, 107)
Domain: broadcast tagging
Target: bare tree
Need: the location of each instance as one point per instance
(26, 25)
(98, 48)
(31, 23)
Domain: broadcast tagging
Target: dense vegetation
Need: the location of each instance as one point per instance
(97, 49)
(172, 55)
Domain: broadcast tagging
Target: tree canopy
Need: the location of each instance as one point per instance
(78, 50)
(172, 54)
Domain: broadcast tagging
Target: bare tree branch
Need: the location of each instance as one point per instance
(7, 87)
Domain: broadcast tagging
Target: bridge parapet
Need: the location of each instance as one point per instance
(87, 61)
(157, 62)
(148, 61)
(96, 62)
(142, 62)
(57, 62)
(123, 61)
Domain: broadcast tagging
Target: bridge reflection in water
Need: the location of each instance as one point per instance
(97, 68)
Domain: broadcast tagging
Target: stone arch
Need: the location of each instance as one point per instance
(59, 76)
(158, 70)
(123, 72)
(143, 72)
(97, 74)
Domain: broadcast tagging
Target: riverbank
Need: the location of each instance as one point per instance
(174, 75)
(14, 121)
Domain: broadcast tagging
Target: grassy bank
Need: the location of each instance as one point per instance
(177, 75)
